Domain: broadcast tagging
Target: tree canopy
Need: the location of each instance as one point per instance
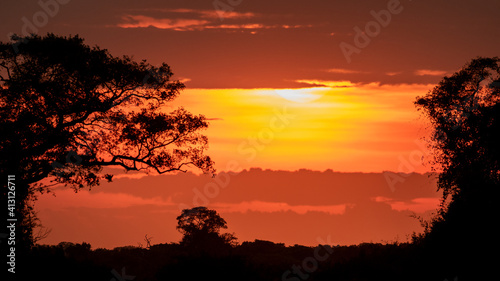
(201, 226)
(60, 95)
(464, 110)
(200, 219)
(67, 110)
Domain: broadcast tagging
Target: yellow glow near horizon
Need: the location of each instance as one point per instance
(303, 95)
(349, 127)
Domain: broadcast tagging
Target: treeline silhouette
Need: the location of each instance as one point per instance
(257, 260)
(206, 254)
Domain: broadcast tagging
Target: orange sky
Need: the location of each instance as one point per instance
(281, 94)
(281, 206)
(339, 125)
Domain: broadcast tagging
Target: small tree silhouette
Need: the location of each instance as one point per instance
(201, 229)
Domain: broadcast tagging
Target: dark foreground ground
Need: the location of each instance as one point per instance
(259, 260)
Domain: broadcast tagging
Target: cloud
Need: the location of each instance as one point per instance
(227, 15)
(256, 203)
(137, 21)
(238, 26)
(346, 71)
(132, 175)
(210, 14)
(201, 20)
(272, 207)
(84, 199)
(141, 21)
(326, 83)
(423, 72)
(417, 205)
(184, 80)
(287, 26)
(394, 73)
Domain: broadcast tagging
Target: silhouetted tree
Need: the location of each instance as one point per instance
(464, 110)
(201, 229)
(67, 110)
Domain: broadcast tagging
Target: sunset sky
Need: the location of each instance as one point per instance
(287, 85)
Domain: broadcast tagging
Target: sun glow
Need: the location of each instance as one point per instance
(341, 126)
(303, 95)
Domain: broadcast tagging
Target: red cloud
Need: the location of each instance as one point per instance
(136, 21)
(270, 207)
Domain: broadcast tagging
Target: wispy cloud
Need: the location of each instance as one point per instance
(191, 20)
(326, 83)
(212, 14)
(423, 72)
(209, 14)
(184, 80)
(418, 205)
(141, 21)
(346, 71)
(137, 21)
(101, 200)
(394, 73)
(238, 26)
(133, 176)
(271, 207)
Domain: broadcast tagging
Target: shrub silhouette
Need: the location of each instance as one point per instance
(201, 229)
